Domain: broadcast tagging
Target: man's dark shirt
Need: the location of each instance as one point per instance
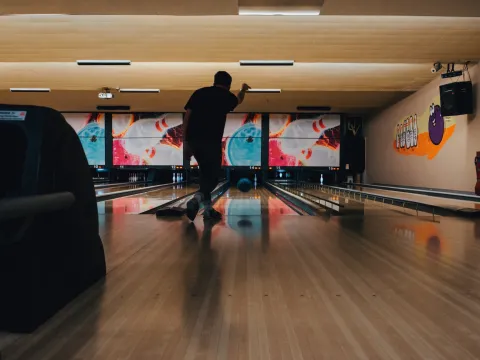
(209, 106)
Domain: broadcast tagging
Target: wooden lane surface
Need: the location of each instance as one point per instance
(301, 288)
(425, 199)
(370, 207)
(135, 204)
(258, 201)
(118, 188)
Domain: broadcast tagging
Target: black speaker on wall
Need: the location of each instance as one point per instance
(456, 98)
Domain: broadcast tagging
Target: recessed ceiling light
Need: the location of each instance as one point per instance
(265, 91)
(104, 62)
(29, 90)
(114, 108)
(36, 15)
(267, 62)
(314, 108)
(246, 12)
(139, 91)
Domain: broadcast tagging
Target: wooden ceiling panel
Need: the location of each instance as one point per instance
(466, 8)
(230, 7)
(233, 38)
(342, 101)
(121, 7)
(190, 76)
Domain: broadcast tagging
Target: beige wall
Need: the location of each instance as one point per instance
(451, 168)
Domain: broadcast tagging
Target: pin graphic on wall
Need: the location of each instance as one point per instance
(423, 134)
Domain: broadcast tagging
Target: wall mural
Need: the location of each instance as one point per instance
(424, 134)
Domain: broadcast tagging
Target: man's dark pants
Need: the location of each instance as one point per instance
(209, 158)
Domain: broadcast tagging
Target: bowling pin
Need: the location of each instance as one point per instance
(401, 134)
(412, 135)
(400, 126)
(321, 179)
(407, 136)
(173, 178)
(410, 125)
(415, 131)
(398, 136)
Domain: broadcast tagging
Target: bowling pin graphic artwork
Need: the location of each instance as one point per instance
(407, 131)
(397, 136)
(410, 129)
(414, 130)
(424, 133)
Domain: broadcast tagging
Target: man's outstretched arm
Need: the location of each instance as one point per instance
(241, 94)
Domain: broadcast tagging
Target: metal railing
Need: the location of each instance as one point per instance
(388, 200)
(130, 192)
(325, 203)
(420, 191)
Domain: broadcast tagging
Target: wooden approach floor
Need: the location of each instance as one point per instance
(273, 286)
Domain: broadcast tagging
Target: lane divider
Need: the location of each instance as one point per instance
(124, 193)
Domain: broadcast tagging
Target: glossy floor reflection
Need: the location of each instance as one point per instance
(379, 286)
(139, 203)
(112, 189)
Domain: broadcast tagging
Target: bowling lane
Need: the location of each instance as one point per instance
(256, 202)
(425, 199)
(109, 184)
(364, 207)
(139, 203)
(113, 189)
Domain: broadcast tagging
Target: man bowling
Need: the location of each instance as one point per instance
(206, 114)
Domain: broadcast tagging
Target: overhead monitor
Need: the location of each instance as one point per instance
(242, 140)
(304, 140)
(147, 139)
(90, 128)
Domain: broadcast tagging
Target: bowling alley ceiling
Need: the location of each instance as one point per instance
(357, 56)
(231, 7)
